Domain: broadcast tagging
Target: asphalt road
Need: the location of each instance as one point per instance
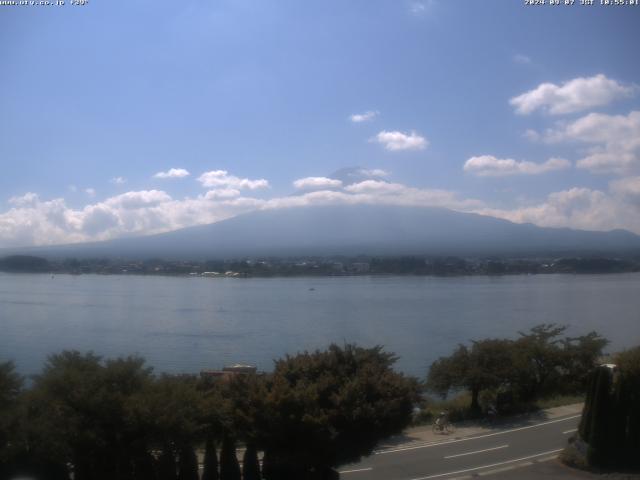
(455, 457)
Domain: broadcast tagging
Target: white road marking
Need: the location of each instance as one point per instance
(477, 451)
(570, 431)
(382, 452)
(356, 470)
(488, 466)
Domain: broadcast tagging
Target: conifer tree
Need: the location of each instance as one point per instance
(250, 464)
(229, 466)
(188, 464)
(167, 465)
(210, 471)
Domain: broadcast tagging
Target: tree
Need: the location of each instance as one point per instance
(167, 464)
(538, 361)
(487, 365)
(78, 413)
(580, 357)
(210, 471)
(188, 464)
(10, 390)
(610, 423)
(229, 466)
(250, 464)
(327, 408)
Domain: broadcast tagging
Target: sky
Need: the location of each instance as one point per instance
(122, 118)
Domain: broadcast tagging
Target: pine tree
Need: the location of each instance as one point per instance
(210, 471)
(599, 440)
(144, 466)
(229, 466)
(188, 464)
(250, 464)
(167, 465)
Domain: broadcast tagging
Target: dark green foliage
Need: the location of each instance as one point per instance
(250, 464)
(210, 471)
(188, 464)
(108, 419)
(610, 419)
(327, 408)
(599, 429)
(167, 465)
(144, 466)
(10, 389)
(229, 466)
(538, 363)
(628, 408)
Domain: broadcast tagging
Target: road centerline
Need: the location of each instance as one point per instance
(476, 451)
(356, 470)
(481, 467)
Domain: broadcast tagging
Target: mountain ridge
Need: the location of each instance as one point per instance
(352, 229)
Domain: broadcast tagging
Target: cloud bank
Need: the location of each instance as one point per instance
(572, 96)
(490, 166)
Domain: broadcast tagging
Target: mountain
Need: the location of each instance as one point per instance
(352, 230)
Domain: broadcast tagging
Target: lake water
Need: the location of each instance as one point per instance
(188, 324)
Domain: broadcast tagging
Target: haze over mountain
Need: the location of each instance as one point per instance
(352, 230)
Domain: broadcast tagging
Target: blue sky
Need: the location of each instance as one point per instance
(530, 113)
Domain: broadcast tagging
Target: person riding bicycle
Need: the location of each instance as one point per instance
(443, 419)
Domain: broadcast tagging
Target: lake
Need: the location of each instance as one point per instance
(187, 324)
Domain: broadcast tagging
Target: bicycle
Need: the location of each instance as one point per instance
(442, 425)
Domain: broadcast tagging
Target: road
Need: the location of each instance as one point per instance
(453, 457)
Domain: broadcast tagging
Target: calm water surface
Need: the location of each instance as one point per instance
(187, 324)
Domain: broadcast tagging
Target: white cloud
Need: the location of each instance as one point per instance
(25, 200)
(421, 7)
(139, 199)
(580, 208)
(490, 166)
(372, 186)
(315, 183)
(221, 193)
(522, 59)
(572, 96)
(118, 180)
(364, 117)
(90, 192)
(613, 141)
(532, 135)
(395, 141)
(375, 172)
(31, 221)
(173, 173)
(627, 188)
(221, 178)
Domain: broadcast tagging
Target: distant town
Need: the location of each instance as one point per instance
(322, 266)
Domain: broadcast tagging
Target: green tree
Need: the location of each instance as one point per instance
(250, 464)
(538, 361)
(188, 464)
(167, 469)
(10, 390)
(78, 413)
(210, 471)
(580, 357)
(229, 466)
(486, 365)
(327, 408)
